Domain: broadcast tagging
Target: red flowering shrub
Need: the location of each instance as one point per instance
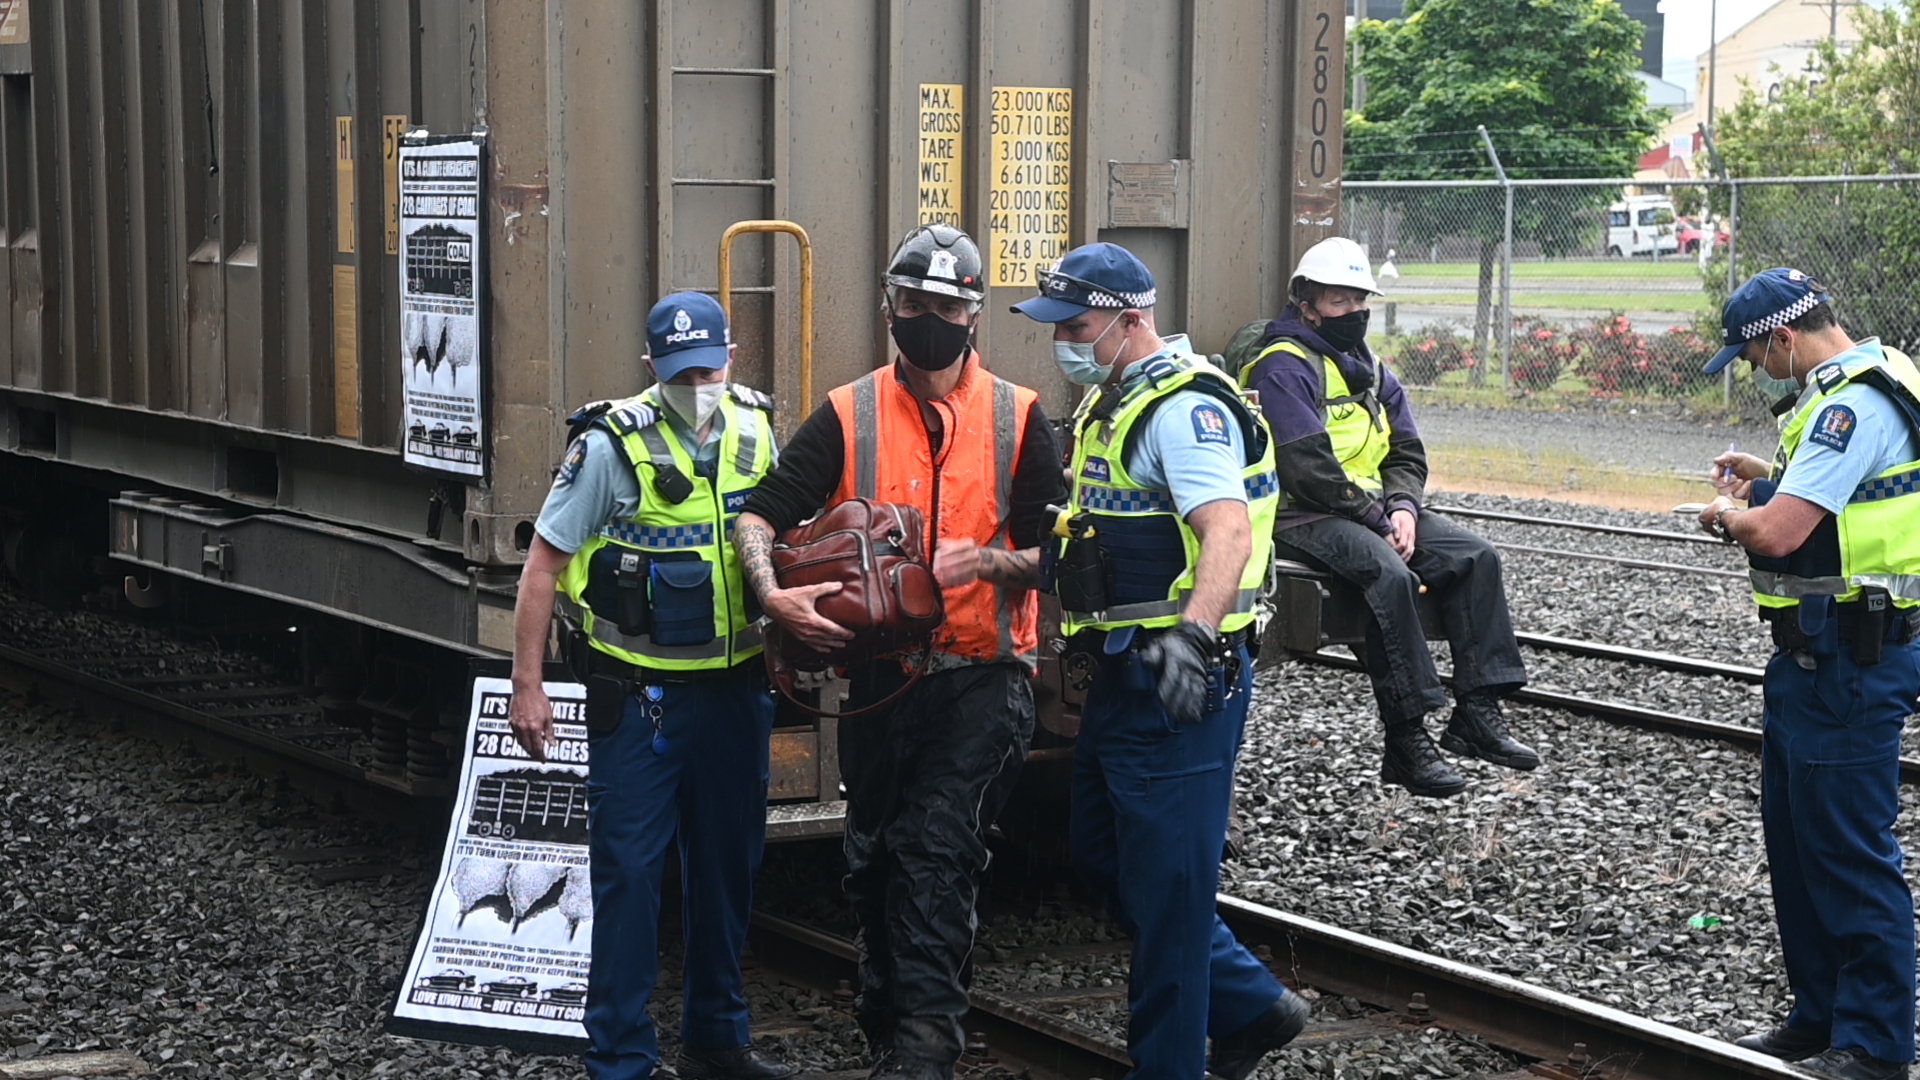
(1420, 359)
(1616, 359)
(1541, 353)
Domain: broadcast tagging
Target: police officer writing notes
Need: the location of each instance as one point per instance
(633, 537)
(1354, 473)
(1833, 540)
(1170, 528)
(926, 774)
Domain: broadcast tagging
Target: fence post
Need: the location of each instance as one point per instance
(1733, 272)
(1506, 266)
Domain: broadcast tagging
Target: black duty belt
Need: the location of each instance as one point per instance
(1901, 627)
(1095, 641)
(596, 662)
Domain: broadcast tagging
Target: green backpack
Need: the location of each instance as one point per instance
(1243, 350)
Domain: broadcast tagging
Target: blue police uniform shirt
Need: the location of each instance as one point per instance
(1857, 434)
(595, 486)
(1191, 446)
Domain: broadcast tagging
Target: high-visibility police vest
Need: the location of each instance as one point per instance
(1152, 550)
(1359, 428)
(1874, 542)
(673, 562)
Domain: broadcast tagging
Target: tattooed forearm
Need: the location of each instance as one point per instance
(1014, 569)
(753, 539)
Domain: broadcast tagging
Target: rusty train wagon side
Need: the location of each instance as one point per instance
(202, 370)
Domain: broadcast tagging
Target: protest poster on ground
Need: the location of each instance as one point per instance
(502, 954)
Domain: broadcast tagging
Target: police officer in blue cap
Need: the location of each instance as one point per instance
(1168, 542)
(1832, 534)
(634, 540)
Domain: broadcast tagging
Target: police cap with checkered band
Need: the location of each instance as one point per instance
(1769, 300)
(1094, 276)
(937, 259)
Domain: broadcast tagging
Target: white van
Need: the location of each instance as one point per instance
(1642, 225)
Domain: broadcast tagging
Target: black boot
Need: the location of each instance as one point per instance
(1413, 762)
(1477, 730)
(1235, 1056)
(740, 1063)
(923, 1048)
(1785, 1043)
(1853, 1063)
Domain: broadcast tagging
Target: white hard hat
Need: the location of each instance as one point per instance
(1335, 261)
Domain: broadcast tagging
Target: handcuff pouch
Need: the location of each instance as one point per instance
(606, 702)
(1084, 576)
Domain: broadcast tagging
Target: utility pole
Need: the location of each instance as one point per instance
(1359, 80)
(1833, 14)
(1713, 53)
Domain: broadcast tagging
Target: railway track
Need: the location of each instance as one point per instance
(1621, 560)
(1581, 526)
(239, 714)
(1624, 714)
(1555, 1035)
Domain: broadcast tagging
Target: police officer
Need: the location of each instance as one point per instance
(633, 537)
(1833, 539)
(1170, 527)
(1355, 473)
(926, 774)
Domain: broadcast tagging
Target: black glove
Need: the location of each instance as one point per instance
(1182, 656)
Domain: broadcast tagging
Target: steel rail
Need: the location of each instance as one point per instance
(1666, 661)
(1621, 560)
(1014, 1032)
(1625, 715)
(1566, 1035)
(321, 776)
(1583, 526)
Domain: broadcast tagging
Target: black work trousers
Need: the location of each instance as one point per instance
(1460, 570)
(925, 776)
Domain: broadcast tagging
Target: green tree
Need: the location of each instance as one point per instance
(1855, 112)
(1551, 80)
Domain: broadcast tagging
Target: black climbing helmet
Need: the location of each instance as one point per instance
(937, 259)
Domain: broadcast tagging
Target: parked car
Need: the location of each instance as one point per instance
(1641, 225)
(1690, 236)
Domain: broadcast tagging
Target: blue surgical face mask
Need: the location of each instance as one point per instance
(1077, 361)
(1770, 388)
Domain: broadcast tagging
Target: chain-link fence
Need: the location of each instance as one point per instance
(1562, 290)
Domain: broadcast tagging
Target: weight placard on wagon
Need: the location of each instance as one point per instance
(1030, 140)
(943, 118)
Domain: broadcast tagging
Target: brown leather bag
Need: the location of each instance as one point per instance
(888, 595)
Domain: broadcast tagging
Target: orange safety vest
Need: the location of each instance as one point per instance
(967, 494)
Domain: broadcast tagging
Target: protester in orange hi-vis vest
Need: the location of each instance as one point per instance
(925, 774)
(963, 489)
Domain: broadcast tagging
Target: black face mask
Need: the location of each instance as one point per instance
(930, 342)
(1345, 332)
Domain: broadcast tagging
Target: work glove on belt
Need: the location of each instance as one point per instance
(1183, 656)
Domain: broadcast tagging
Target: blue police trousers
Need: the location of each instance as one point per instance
(708, 785)
(1150, 805)
(1830, 791)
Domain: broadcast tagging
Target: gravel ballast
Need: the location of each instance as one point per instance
(1629, 868)
(148, 911)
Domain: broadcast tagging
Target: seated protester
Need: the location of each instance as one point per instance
(1353, 473)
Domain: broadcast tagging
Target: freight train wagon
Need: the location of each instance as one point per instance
(204, 359)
